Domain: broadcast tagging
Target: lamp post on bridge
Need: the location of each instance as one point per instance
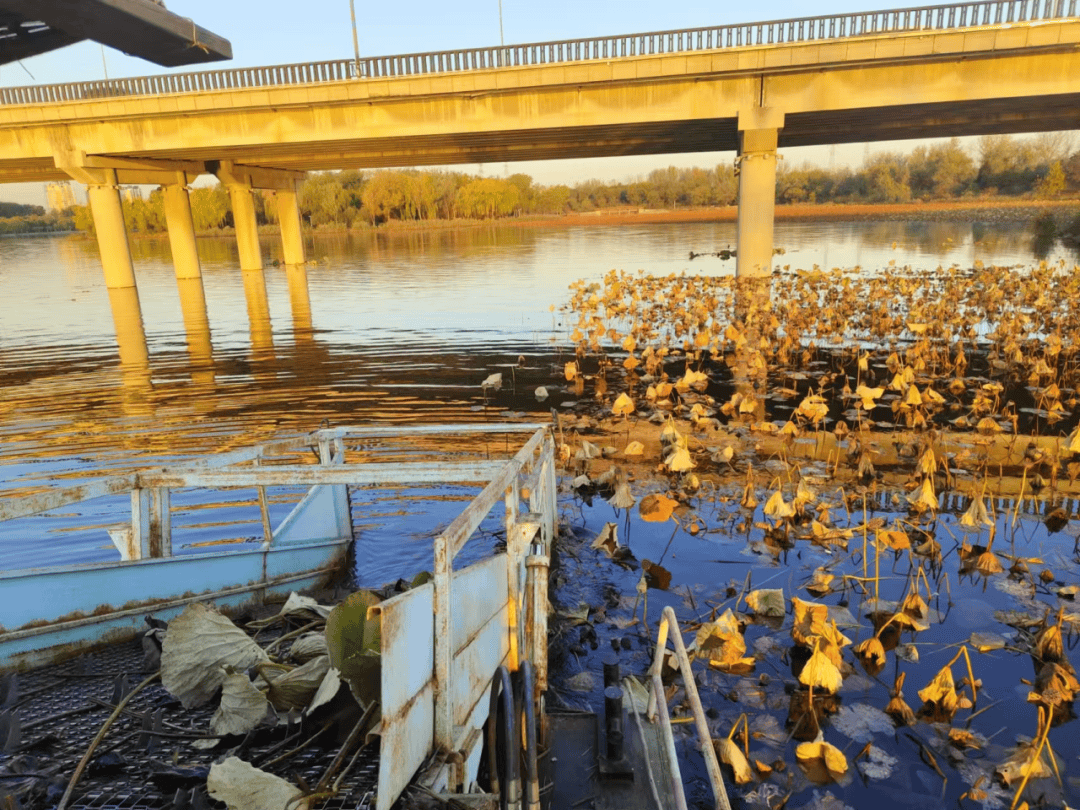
(355, 41)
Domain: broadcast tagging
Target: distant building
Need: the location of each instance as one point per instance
(130, 193)
(59, 196)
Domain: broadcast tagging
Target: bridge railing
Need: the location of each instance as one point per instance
(775, 32)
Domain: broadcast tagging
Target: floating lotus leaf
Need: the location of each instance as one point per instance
(655, 508)
(862, 721)
(608, 539)
(767, 602)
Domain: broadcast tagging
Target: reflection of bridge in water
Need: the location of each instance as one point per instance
(964, 69)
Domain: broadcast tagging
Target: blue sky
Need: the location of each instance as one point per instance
(265, 32)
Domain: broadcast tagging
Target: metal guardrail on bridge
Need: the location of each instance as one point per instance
(776, 32)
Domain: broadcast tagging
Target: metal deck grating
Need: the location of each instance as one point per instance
(61, 708)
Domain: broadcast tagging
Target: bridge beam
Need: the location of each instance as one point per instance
(758, 132)
(181, 227)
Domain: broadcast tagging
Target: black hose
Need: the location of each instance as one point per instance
(532, 781)
(509, 787)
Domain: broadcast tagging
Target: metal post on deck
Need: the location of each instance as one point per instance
(151, 521)
(444, 690)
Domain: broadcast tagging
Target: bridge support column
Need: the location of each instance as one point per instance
(758, 132)
(247, 229)
(185, 254)
(241, 180)
(111, 233)
(292, 238)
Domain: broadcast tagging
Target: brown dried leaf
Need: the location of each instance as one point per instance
(656, 508)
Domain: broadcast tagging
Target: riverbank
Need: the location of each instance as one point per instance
(988, 211)
(951, 211)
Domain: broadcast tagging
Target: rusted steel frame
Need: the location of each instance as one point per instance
(447, 545)
(669, 746)
(669, 625)
(141, 610)
(536, 595)
(518, 538)
(364, 432)
(312, 475)
(264, 514)
(444, 692)
(513, 556)
(151, 521)
(44, 501)
(462, 527)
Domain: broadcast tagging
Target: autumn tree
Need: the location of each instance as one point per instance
(941, 170)
(209, 207)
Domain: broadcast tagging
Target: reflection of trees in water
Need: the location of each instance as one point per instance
(942, 238)
(396, 245)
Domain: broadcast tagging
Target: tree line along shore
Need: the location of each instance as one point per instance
(1007, 179)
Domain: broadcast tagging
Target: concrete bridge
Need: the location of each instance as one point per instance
(972, 68)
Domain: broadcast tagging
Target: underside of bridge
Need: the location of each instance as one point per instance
(141, 28)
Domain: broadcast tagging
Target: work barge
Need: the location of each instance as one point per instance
(462, 717)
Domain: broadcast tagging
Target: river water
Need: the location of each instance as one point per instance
(391, 327)
(388, 327)
(399, 327)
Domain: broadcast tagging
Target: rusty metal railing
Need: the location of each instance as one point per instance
(774, 32)
(669, 628)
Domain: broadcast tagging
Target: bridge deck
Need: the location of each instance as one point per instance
(956, 16)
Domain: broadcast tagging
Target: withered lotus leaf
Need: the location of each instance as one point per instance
(727, 751)
(939, 697)
(821, 673)
(1021, 763)
(871, 654)
(776, 507)
(1055, 686)
(766, 601)
(624, 406)
(821, 761)
(656, 508)
(811, 619)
